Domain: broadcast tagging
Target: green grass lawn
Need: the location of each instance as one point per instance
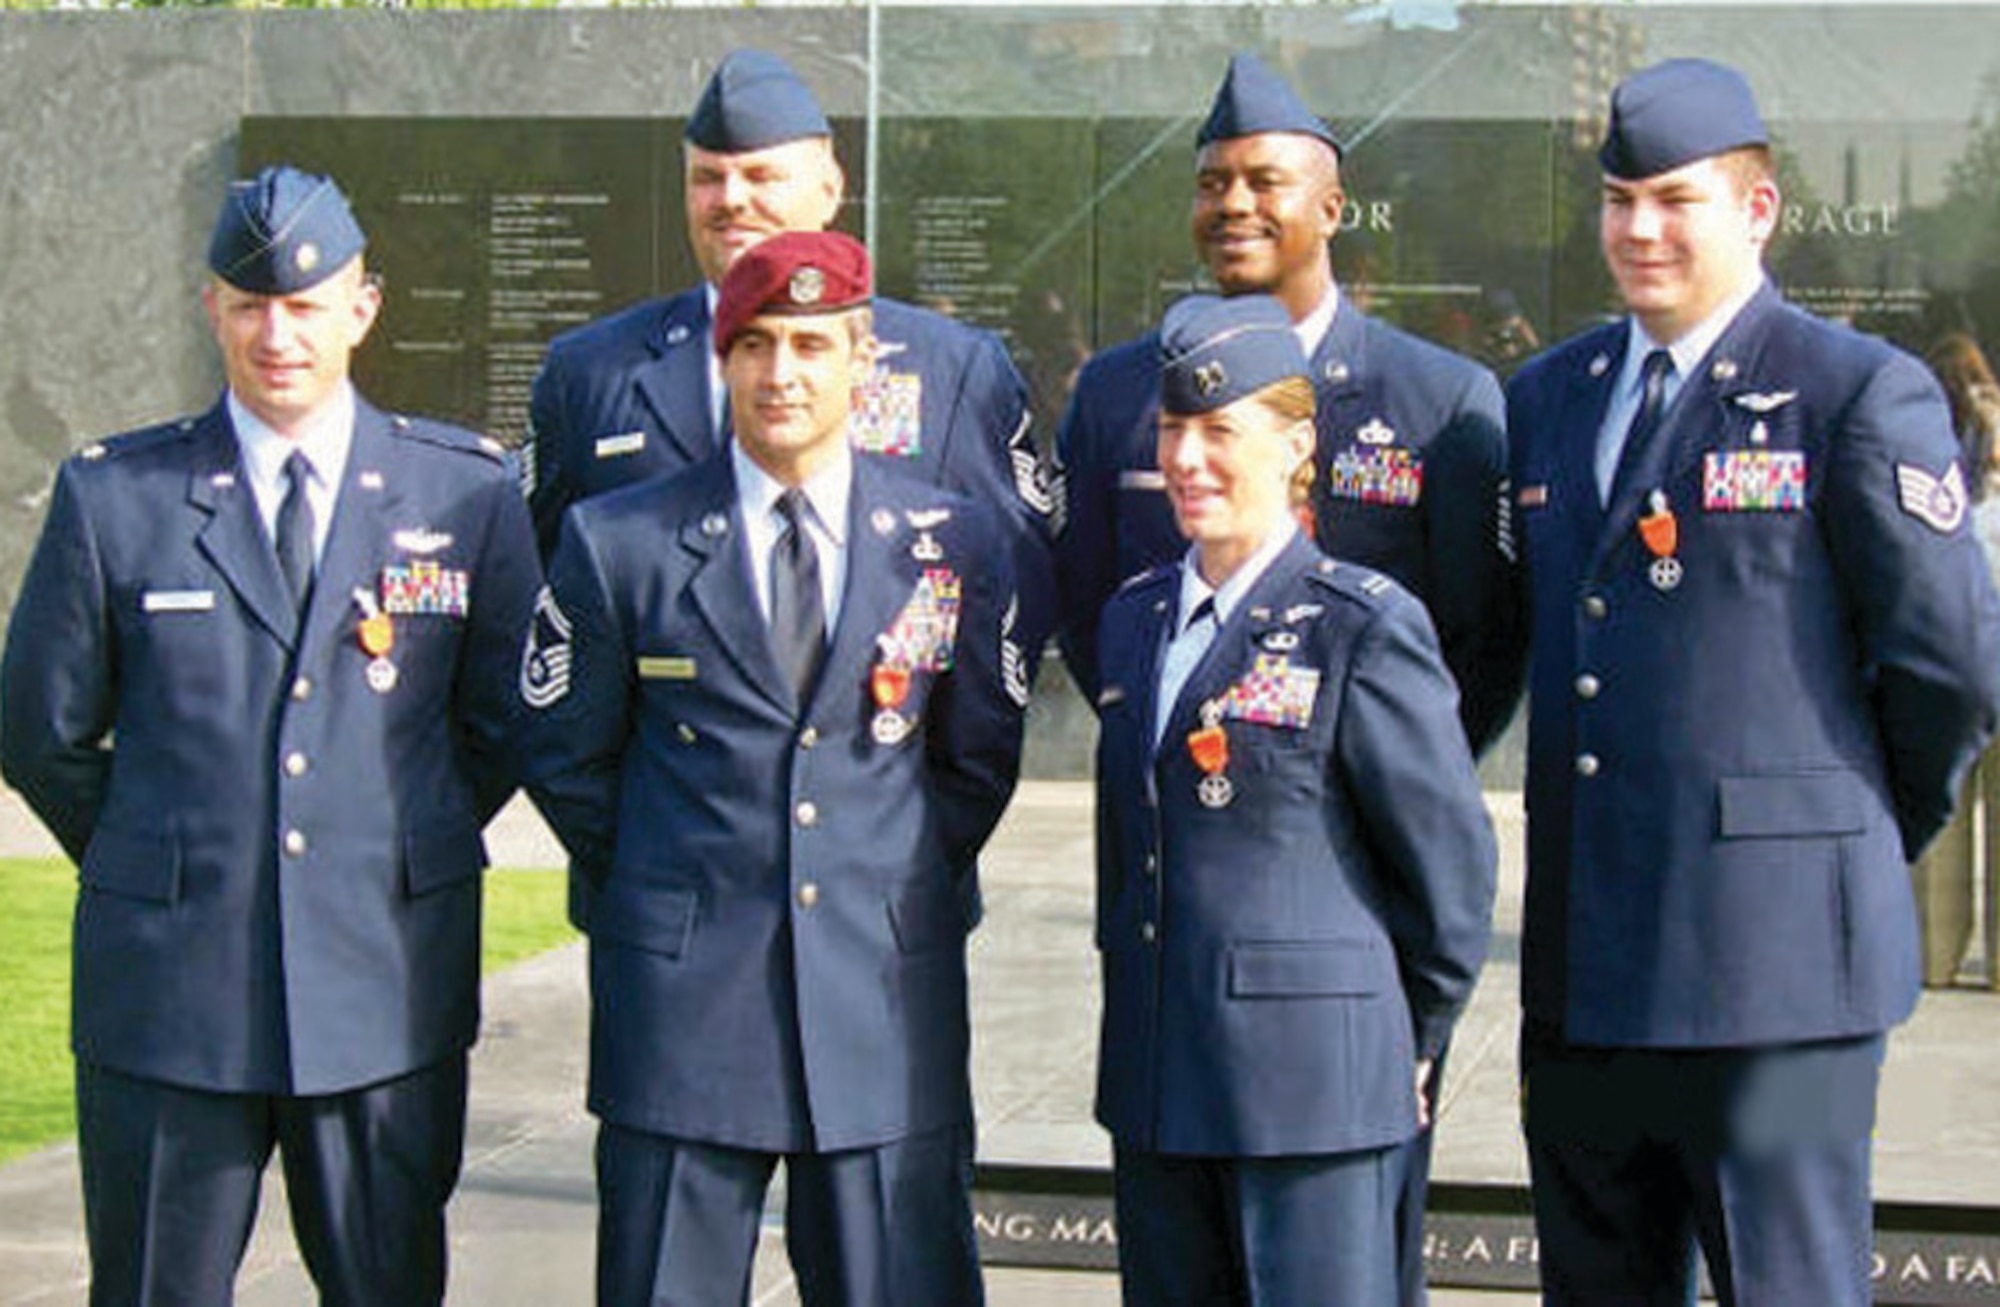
(524, 916)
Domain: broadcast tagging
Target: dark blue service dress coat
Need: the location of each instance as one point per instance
(279, 846)
(1738, 742)
(1274, 967)
(1409, 479)
(778, 944)
(627, 397)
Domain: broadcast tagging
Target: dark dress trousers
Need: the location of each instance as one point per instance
(1410, 475)
(1746, 720)
(778, 943)
(278, 843)
(1274, 967)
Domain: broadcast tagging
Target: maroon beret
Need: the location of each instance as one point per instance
(795, 272)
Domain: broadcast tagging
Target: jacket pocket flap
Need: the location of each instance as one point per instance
(1279, 970)
(435, 858)
(136, 866)
(644, 917)
(1810, 803)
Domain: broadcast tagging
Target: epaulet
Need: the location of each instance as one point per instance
(100, 451)
(1351, 581)
(445, 436)
(1150, 576)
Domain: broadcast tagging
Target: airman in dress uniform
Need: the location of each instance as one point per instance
(260, 683)
(773, 730)
(1295, 865)
(1411, 451)
(1410, 460)
(641, 392)
(1766, 650)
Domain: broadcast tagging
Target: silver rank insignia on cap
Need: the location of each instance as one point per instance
(807, 286)
(306, 257)
(1210, 378)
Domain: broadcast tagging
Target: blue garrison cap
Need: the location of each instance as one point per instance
(754, 101)
(283, 231)
(1215, 351)
(1675, 113)
(1254, 99)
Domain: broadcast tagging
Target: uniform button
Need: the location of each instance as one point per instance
(685, 732)
(808, 737)
(807, 813)
(1595, 608)
(295, 844)
(1148, 933)
(1152, 864)
(295, 764)
(1586, 764)
(1587, 686)
(302, 689)
(808, 894)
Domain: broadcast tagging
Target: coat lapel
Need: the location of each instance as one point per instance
(723, 590)
(675, 384)
(1686, 428)
(881, 574)
(1227, 655)
(1585, 400)
(1339, 370)
(234, 539)
(362, 522)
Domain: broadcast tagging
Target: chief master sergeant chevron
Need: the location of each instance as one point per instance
(775, 737)
(1766, 650)
(259, 683)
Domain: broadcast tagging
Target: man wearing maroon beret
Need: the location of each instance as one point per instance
(771, 727)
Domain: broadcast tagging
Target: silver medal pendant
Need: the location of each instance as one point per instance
(889, 727)
(1215, 791)
(381, 675)
(1665, 573)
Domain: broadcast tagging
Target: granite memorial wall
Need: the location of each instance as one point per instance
(1027, 169)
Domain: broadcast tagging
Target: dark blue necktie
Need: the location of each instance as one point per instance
(798, 618)
(295, 531)
(1652, 402)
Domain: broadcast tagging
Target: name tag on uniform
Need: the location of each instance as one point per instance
(1142, 479)
(616, 446)
(177, 601)
(666, 669)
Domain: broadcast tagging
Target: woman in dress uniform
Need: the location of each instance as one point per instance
(1295, 866)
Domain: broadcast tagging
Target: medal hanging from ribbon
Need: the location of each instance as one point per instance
(1209, 747)
(376, 634)
(889, 686)
(1661, 532)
